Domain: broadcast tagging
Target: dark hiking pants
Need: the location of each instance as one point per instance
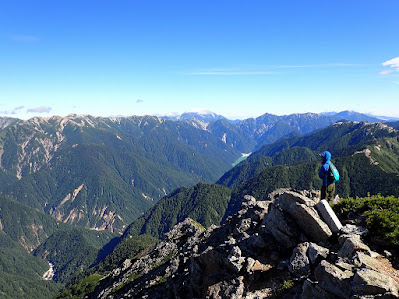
(328, 192)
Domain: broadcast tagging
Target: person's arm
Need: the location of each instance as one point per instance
(322, 172)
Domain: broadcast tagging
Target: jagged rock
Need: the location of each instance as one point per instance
(250, 263)
(370, 282)
(234, 260)
(316, 253)
(253, 209)
(286, 199)
(243, 225)
(233, 289)
(351, 229)
(344, 265)
(299, 263)
(311, 194)
(126, 264)
(300, 208)
(313, 290)
(249, 257)
(249, 201)
(310, 223)
(258, 266)
(352, 244)
(333, 280)
(281, 227)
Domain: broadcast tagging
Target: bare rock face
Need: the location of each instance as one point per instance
(302, 211)
(333, 280)
(279, 247)
(282, 228)
(370, 282)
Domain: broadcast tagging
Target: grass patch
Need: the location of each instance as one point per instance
(381, 215)
(132, 277)
(79, 290)
(197, 224)
(284, 287)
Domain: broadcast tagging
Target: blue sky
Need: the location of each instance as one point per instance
(236, 58)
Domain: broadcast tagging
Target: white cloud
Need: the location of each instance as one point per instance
(200, 111)
(139, 101)
(41, 109)
(392, 63)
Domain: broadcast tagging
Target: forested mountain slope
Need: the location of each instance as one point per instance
(22, 230)
(341, 139)
(204, 203)
(104, 172)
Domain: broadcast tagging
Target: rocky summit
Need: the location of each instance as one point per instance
(280, 247)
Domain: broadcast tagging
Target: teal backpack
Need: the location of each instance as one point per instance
(333, 174)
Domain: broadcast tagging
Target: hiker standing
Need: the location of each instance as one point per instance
(329, 174)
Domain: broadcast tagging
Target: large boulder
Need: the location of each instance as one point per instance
(333, 279)
(370, 282)
(302, 211)
(283, 229)
(352, 244)
(310, 223)
(316, 253)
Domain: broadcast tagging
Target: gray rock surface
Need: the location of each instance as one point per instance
(370, 282)
(270, 248)
(299, 263)
(316, 253)
(333, 280)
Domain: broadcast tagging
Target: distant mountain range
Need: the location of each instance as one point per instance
(207, 116)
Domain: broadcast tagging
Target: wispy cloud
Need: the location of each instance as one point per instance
(386, 72)
(16, 109)
(393, 64)
(323, 65)
(229, 73)
(13, 111)
(269, 69)
(139, 101)
(21, 38)
(41, 109)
